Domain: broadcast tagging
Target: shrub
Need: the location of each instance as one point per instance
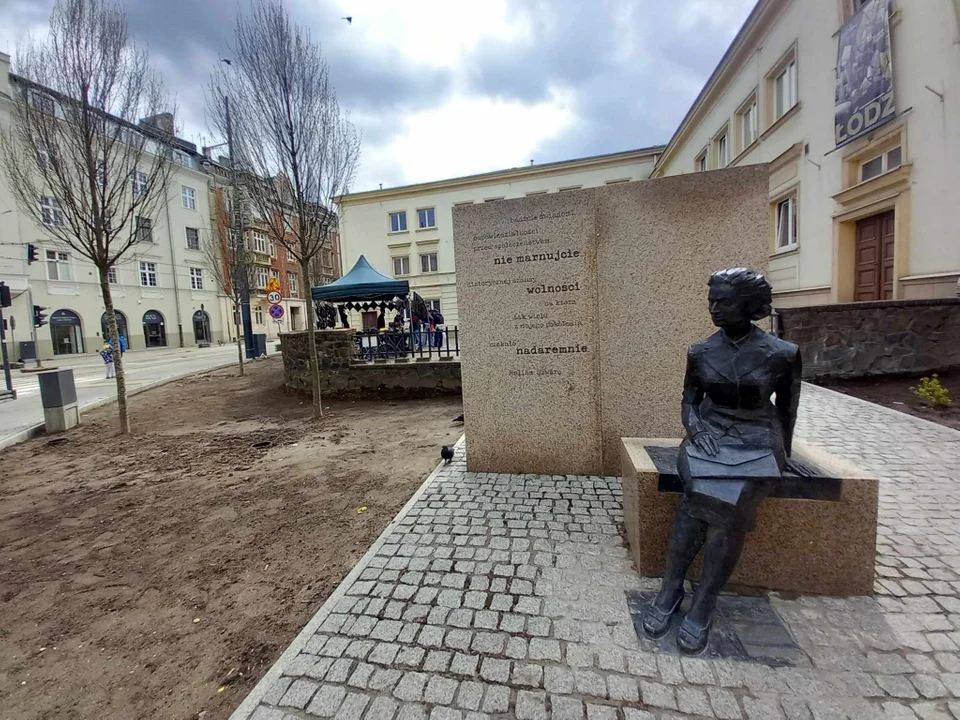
(932, 392)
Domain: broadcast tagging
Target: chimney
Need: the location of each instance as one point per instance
(161, 121)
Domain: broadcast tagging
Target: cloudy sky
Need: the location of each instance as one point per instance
(441, 88)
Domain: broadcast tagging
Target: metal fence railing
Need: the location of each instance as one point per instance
(393, 344)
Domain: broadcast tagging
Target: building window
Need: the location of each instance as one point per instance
(428, 263)
(275, 275)
(398, 221)
(262, 277)
(401, 266)
(51, 211)
(138, 181)
(144, 230)
(433, 305)
(721, 149)
(148, 274)
(189, 197)
(258, 243)
(785, 90)
(749, 127)
(290, 256)
(787, 223)
(427, 218)
(58, 265)
(701, 162)
(112, 275)
(196, 278)
(258, 316)
(885, 162)
(42, 102)
(193, 239)
(294, 282)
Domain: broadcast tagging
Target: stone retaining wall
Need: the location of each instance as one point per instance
(342, 376)
(889, 337)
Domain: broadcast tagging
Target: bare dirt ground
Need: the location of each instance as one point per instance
(894, 392)
(140, 575)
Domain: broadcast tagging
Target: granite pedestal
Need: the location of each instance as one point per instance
(807, 539)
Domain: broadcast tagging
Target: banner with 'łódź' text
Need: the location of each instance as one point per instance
(864, 97)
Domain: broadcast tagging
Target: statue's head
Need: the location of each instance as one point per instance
(738, 296)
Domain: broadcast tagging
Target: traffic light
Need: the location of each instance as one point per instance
(39, 319)
(5, 299)
(32, 256)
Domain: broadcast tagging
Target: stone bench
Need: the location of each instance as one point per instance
(817, 534)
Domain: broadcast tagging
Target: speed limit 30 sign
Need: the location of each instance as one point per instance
(274, 297)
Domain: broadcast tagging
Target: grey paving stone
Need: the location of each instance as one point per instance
(635, 714)
(266, 713)
(327, 701)
(544, 649)
(276, 690)
(589, 682)
(724, 704)
(487, 643)
(601, 712)
(383, 653)
(464, 664)
(929, 686)
(361, 675)
(623, 688)
(339, 671)
(382, 708)
(657, 695)
(899, 686)
(410, 657)
(531, 705)
(431, 636)
(445, 713)
(486, 619)
(496, 699)
(693, 701)
(410, 687)
(384, 679)
(527, 674)
(440, 690)
(495, 671)
(566, 708)
(299, 694)
(386, 630)
(470, 695)
(410, 711)
(353, 706)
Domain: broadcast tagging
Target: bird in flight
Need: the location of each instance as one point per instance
(348, 18)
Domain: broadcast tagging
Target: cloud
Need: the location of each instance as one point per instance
(440, 88)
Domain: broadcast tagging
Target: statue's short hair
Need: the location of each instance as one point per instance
(752, 287)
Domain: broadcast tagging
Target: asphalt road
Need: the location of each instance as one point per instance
(142, 367)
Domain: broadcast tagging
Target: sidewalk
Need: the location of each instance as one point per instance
(503, 596)
(143, 368)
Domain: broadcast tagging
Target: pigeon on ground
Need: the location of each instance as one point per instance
(458, 418)
(447, 454)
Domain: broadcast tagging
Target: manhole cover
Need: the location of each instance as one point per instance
(744, 628)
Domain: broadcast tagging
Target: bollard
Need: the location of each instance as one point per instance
(58, 393)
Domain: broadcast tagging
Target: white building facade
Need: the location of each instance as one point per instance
(860, 209)
(407, 232)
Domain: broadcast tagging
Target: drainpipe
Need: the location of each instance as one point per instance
(173, 263)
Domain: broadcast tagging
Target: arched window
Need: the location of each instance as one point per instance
(154, 329)
(66, 332)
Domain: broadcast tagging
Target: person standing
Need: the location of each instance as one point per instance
(107, 355)
(123, 344)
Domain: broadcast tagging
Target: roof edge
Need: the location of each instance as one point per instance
(506, 174)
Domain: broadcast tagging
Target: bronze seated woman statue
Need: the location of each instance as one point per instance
(735, 450)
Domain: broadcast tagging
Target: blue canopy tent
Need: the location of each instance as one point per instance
(361, 283)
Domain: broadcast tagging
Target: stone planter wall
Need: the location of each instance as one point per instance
(342, 376)
(889, 337)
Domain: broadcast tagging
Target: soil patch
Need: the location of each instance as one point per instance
(894, 392)
(139, 575)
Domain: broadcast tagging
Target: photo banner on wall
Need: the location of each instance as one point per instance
(864, 96)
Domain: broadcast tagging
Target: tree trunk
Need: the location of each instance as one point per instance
(117, 355)
(236, 327)
(312, 343)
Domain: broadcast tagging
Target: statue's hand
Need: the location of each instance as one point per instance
(705, 443)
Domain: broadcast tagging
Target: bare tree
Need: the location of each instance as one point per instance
(226, 259)
(297, 148)
(76, 162)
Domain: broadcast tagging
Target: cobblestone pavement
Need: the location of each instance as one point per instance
(502, 596)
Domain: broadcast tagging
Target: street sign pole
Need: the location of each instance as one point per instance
(6, 360)
(33, 329)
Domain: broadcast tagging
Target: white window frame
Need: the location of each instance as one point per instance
(58, 262)
(700, 163)
(721, 148)
(138, 182)
(404, 266)
(188, 197)
(196, 278)
(432, 211)
(401, 216)
(293, 282)
(148, 272)
(884, 163)
(258, 316)
(748, 118)
(51, 211)
(785, 95)
(262, 278)
(786, 208)
(196, 231)
(112, 277)
(435, 262)
(259, 242)
(144, 229)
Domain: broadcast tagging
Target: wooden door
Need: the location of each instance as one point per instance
(874, 258)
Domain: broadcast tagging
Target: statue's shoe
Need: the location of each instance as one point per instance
(692, 637)
(656, 620)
